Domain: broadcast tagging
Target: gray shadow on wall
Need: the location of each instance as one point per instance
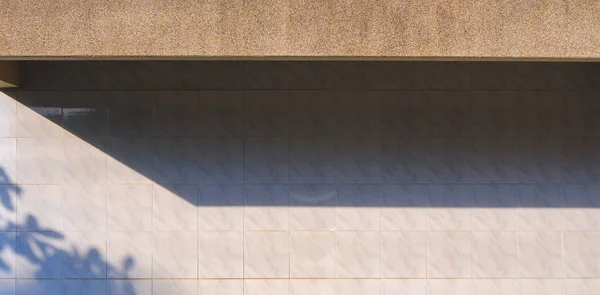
(44, 254)
(337, 144)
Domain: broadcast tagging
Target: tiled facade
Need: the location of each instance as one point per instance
(294, 178)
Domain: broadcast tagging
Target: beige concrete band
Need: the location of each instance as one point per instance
(391, 29)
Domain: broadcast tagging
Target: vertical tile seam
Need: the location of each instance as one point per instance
(106, 229)
(244, 132)
(17, 184)
(62, 196)
(289, 186)
(197, 201)
(518, 254)
(153, 187)
(562, 237)
(426, 211)
(471, 235)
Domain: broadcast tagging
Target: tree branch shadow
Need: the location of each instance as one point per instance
(47, 252)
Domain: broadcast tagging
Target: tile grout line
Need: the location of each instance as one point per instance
(106, 194)
(289, 189)
(62, 195)
(244, 191)
(380, 241)
(562, 236)
(518, 217)
(17, 185)
(153, 141)
(198, 232)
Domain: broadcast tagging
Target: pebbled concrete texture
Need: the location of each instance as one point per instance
(303, 29)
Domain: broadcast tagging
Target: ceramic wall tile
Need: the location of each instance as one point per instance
(38, 160)
(10, 194)
(356, 287)
(8, 159)
(540, 207)
(83, 255)
(357, 160)
(266, 255)
(175, 207)
(358, 207)
(313, 160)
(84, 114)
(399, 164)
(221, 113)
(548, 119)
(225, 287)
(129, 255)
(84, 207)
(267, 75)
(312, 255)
(496, 160)
(312, 287)
(400, 112)
(175, 160)
(449, 254)
(450, 287)
(403, 207)
(28, 255)
(541, 286)
(221, 160)
(357, 254)
(494, 76)
(266, 287)
(357, 113)
(405, 286)
(39, 207)
(312, 114)
(541, 160)
(312, 207)
(581, 254)
(92, 287)
(581, 209)
(494, 113)
(45, 287)
(221, 207)
(130, 160)
(496, 286)
(450, 207)
(581, 113)
(116, 287)
(175, 112)
(495, 207)
(403, 254)
(175, 255)
(220, 254)
(8, 115)
(175, 287)
(539, 254)
(267, 160)
(267, 113)
(36, 118)
(266, 207)
(581, 286)
(131, 113)
(84, 160)
(123, 200)
(8, 287)
(494, 254)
